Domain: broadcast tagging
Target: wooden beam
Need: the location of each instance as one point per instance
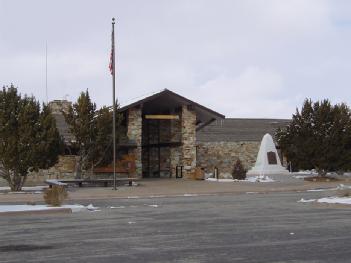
(162, 117)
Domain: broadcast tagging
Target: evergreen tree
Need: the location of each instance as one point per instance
(29, 139)
(103, 141)
(318, 137)
(93, 132)
(239, 172)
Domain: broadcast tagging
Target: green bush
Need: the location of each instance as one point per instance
(55, 196)
(239, 171)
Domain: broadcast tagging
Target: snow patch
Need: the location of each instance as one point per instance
(319, 189)
(190, 195)
(153, 205)
(335, 200)
(91, 207)
(343, 187)
(26, 188)
(259, 179)
(251, 179)
(339, 187)
(23, 208)
(329, 200)
(306, 201)
(219, 180)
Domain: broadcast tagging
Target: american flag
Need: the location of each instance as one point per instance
(112, 55)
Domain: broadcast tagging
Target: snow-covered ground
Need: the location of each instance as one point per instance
(260, 179)
(339, 187)
(303, 174)
(26, 188)
(251, 179)
(329, 200)
(309, 173)
(32, 208)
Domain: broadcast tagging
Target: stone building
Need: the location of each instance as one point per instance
(222, 142)
(166, 131)
(162, 129)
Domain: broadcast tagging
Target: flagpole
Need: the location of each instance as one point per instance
(114, 104)
(46, 71)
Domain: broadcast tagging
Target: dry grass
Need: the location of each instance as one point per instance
(344, 192)
(55, 196)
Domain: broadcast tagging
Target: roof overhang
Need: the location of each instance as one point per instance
(166, 101)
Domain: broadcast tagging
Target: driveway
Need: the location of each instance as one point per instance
(270, 227)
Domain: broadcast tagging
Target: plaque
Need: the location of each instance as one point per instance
(272, 158)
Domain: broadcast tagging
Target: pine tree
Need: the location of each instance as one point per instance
(103, 141)
(318, 137)
(29, 139)
(93, 132)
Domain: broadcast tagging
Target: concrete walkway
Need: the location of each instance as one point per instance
(175, 187)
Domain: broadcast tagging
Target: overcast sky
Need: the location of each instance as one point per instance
(242, 58)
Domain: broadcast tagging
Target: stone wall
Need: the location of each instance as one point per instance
(63, 169)
(134, 132)
(188, 148)
(224, 154)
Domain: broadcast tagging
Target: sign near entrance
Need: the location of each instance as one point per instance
(162, 117)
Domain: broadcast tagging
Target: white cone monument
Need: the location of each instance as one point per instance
(267, 161)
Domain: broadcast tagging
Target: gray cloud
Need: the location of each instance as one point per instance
(255, 58)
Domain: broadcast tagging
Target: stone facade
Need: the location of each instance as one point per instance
(175, 151)
(188, 148)
(224, 154)
(63, 169)
(57, 106)
(159, 145)
(134, 132)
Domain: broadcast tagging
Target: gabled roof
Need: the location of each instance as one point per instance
(166, 99)
(171, 94)
(235, 130)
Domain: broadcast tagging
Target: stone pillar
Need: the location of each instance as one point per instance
(188, 147)
(56, 106)
(175, 151)
(134, 133)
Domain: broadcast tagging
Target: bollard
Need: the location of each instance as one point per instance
(215, 172)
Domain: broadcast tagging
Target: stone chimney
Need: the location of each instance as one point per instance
(57, 106)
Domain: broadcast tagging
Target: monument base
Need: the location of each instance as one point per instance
(277, 170)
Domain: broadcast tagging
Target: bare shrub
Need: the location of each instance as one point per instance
(55, 196)
(199, 174)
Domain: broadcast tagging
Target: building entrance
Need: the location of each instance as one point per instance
(161, 143)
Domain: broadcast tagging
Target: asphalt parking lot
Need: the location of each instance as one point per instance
(270, 227)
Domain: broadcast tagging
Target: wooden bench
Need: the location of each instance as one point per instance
(80, 182)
